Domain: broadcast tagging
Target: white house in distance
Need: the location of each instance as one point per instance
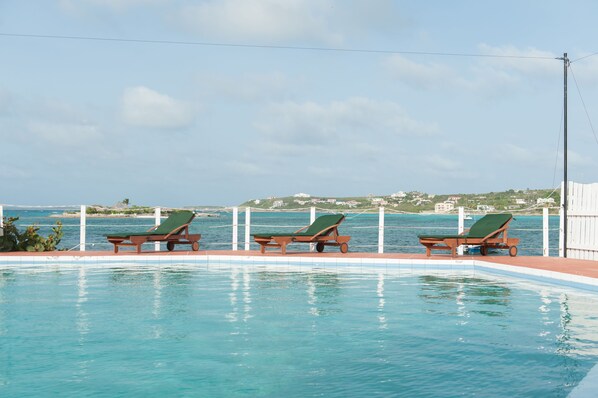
(443, 207)
(545, 201)
(302, 195)
(378, 202)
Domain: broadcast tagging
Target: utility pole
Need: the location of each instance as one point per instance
(565, 179)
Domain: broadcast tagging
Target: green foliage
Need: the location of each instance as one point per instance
(417, 202)
(28, 240)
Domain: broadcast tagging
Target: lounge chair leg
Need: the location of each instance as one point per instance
(283, 247)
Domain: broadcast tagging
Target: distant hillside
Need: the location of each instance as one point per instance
(528, 201)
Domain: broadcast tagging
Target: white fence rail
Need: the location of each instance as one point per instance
(385, 233)
(582, 221)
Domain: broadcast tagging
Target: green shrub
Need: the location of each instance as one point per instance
(29, 240)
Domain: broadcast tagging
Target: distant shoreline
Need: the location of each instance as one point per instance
(78, 215)
(257, 210)
(149, 216)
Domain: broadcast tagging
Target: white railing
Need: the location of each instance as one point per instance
(582, 221)
(356, 231)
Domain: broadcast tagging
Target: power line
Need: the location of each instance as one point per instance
(274, 47)
(584, 57)
(583, 104)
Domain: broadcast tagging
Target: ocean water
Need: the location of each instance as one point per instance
(401, 230)
(233, 331)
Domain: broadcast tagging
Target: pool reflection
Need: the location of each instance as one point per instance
(491, 298)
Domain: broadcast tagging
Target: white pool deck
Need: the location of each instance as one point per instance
(562, 271)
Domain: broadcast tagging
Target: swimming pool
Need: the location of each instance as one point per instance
(250, 331)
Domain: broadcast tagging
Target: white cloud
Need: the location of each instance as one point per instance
(114, 5)
(65, 134)
(529, 61)
(13, 172)
(7, 101)
(264, 20)
(353, 120)
(144, 107)
(577, 159)
(507, 68)
(246, 168)
(584, 71)
(423, 75)
(248, 87)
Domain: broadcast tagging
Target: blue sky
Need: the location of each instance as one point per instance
(96, 121)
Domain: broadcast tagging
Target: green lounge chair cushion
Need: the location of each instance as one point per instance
(318, 225)
(480, 229)
(175, 220)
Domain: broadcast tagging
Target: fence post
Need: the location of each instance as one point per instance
(561, 228)
(461, 227)
(545, 233)
(157, 215)
(235, 228)
(83, 223)
(381, 230)
(312, 218)
(247, 227)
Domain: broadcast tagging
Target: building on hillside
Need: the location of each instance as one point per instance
(302, 195)
(545, 201)
(485, 208)
(443, 207)
(398, 195)
(379, 201)
(277, 203)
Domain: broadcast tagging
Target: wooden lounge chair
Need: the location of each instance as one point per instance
(488, 232)
(323, 232)
(174, 231)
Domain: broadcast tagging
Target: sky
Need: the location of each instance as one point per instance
(182, 103)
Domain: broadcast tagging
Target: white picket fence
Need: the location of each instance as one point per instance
(582, 221)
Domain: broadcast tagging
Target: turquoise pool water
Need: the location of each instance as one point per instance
(245, 332)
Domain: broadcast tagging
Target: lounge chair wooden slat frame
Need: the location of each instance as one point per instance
(328, 236)
(497, 239)
(179, 234)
